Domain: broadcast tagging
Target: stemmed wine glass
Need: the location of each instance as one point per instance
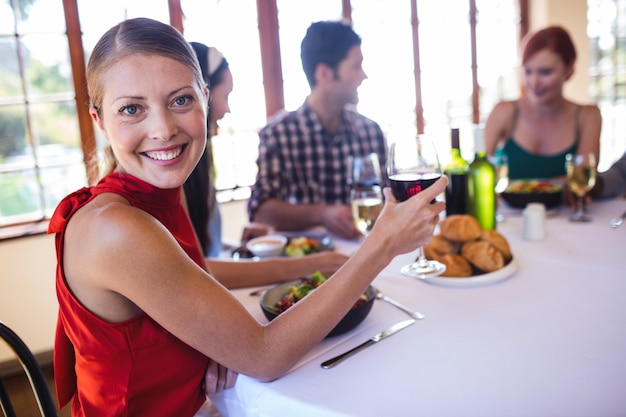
(413, 166)
(365, 194)
(581, 177)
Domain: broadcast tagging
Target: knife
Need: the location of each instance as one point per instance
(375, 339)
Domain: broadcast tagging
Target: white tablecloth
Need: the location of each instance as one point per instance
(549, 341)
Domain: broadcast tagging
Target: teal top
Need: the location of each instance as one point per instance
(527, 165)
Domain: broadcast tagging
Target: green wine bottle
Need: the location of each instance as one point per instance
(456, 171)
(481, 178)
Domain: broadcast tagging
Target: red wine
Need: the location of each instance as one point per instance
(404, 186)
(456, 199)
(456, 170)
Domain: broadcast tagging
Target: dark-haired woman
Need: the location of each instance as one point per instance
(200, 186)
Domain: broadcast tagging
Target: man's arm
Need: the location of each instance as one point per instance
(337, 219)
(285, 216)
(268, 184)
(613, 182)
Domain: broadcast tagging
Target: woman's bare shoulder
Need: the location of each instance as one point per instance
(105, 212)
(499, 124)
(506, 105)
(591, 111)
(502, 112)
(108, 227)
(590, 122)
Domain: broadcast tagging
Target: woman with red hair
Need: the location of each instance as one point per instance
(536, 131)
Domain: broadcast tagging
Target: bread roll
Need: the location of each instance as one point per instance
(496, 239)
(460, 228)
(456, 265)
(483, 255)
(439, 246)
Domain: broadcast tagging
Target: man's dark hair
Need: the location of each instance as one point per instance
(326, 42)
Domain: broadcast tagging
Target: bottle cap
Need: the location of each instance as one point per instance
(479, 138)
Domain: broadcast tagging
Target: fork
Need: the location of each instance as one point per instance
(415, 314)
(616, 222)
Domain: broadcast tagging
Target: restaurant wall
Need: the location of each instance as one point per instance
(27, 296)
(571, 15)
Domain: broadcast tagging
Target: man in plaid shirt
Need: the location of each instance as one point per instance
(302, 177)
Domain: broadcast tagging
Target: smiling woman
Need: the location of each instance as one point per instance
(148, 98)
(150, 132)
(131, 272)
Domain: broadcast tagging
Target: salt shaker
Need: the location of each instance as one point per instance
(534, 221)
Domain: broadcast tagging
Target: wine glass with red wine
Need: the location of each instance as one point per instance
(413, 166)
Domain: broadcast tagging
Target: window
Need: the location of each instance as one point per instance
(41, 159)
(607, 34)
(235, 146)
(388, 96)
(40, 155)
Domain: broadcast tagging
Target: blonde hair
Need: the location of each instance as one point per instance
(141, 36)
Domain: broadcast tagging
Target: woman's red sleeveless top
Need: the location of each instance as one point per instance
(136, 367)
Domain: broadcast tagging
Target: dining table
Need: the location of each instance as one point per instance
(547, 339)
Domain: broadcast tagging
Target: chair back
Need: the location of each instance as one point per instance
(33, 372)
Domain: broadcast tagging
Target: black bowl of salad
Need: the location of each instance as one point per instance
(279, 298)
(519, 193)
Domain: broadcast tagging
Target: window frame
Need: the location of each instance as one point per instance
(267, 13)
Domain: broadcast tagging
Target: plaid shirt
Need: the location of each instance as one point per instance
(302, 164)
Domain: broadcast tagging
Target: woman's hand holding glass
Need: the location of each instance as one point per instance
(402, 227)
(413, 166)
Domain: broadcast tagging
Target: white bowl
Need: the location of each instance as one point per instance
(268, 245)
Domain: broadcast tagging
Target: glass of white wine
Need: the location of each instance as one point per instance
(367, 203)
(365, 193)
(581, 177)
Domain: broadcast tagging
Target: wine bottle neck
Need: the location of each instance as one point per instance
(454, 136)
(479, 140)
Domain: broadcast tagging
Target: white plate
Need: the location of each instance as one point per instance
(475, 281)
